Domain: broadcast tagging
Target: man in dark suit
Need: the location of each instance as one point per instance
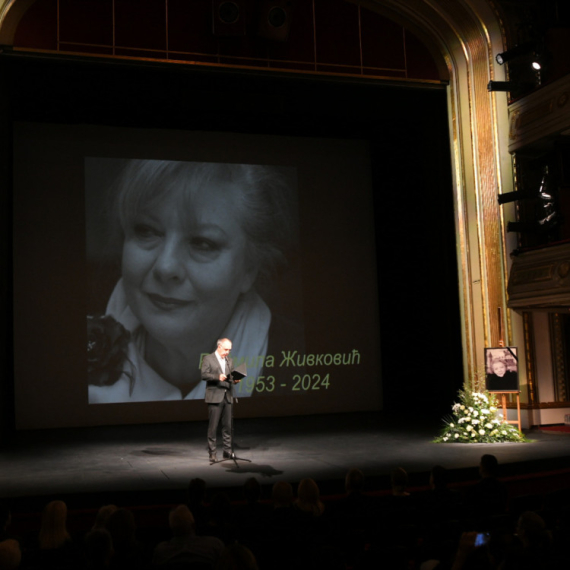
(216, 371)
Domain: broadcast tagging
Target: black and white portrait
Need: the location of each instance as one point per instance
(502, 369)
(180, 254)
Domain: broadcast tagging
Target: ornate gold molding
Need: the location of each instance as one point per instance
(530, 358)
(540, 406)
(540, 279)
(540, 116)
(557, 342)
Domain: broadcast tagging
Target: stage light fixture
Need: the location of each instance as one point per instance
(501, 86)
(513, 53)
(512, 197)
(510, 86)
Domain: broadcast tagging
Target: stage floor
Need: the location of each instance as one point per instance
(161, 459)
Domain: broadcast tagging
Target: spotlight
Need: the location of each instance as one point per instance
(513, 53)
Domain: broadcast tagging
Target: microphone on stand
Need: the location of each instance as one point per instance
(231, 380)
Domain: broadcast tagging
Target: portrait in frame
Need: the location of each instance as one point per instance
(501, 368)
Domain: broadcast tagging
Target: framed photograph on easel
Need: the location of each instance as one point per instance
(502, 369)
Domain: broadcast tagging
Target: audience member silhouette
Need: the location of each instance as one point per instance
(308, 498)
(221, 520)
(5, 522)
(196, 502)
(533, 550)
(314, 528)
(398, 506)
(10, 554)
(55, 548)
(354, 516)
(129, 551)
(237, 557)
(489, 497)
(103, 515)
(185, 547)
(440, 503)
(251, 518)
(282, 534)
(399, 482)
(98, 549)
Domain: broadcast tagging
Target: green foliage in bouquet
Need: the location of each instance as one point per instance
(476, 419)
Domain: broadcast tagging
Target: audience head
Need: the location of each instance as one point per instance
(489, 466)
(354, 481)
(399, 481)
(121, 526)
(196, 491)
(308, 497)
(532, 531)
(252, 490)
(181, 521)
(282, 494)
(438, 477)
(99, 547)
(10, 554)
(237, 557)
(103, 516)
(53, 530)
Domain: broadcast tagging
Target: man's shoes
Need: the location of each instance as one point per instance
(229, 455)
(213, 458)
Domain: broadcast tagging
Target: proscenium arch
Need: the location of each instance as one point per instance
(467, 34)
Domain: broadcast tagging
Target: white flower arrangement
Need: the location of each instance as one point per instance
(476, 419)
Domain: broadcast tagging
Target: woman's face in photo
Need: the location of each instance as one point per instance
(499, 368)
(183, 270)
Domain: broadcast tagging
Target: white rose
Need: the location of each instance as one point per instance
(482, 431)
